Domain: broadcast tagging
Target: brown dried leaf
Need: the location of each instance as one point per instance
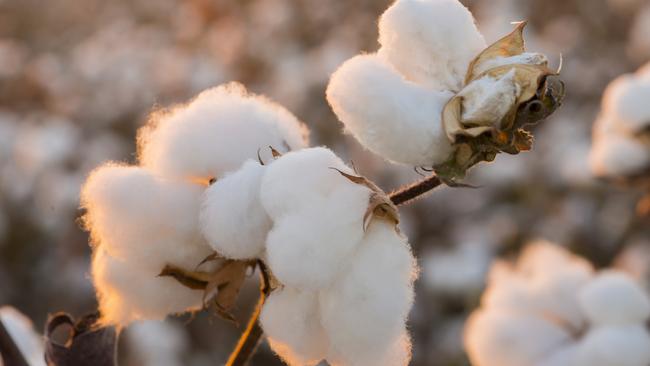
(510, 45)
(276, 154)
(380, 206)
(452, 121)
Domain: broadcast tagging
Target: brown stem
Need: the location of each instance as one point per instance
(9, 351)
(415, 190)
(251, 337)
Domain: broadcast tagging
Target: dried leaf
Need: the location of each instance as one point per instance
(88, 344)
(212, 257)
(276, 154)
(452, 121)
(510, 45)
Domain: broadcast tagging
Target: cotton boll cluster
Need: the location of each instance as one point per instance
(552, 309)
(142, 218)
(621, 147)
(434, 82)
(345, 284)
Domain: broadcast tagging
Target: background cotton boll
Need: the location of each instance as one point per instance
(506, 289)
(290, 318)
(506, 338)
(299, 178)
(390, 116)
(628, 98)
(613, 298)
(615, 155)
(620, 346)
(364, 311)
(216, 132)
(157, 343)
(128, 291)
(135, 215)
(430, 42)
(309, 247)
(232, 218)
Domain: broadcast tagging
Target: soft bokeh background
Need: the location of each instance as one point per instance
(78, 77)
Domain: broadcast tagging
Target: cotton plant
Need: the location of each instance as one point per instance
(227, 183)
(436, 96)
(143, 217)
(552, 308)
(621, 139)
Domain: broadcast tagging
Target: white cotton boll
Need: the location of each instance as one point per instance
(300, 178)
(365, 310)
(157, 343)
(128, 291)
(392, 117)
(618, 155)
(21, 330)
(507, 338)
(506, 290)
(309, 247)
(430, 42)
(135, 215)
(620, 346)
(216, 132)
(488, 100)
(613, 298)
(627, 99)
(290, 319)
(232, 217)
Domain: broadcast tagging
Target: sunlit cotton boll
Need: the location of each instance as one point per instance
(364, 311)
(301, 178)
(232, 217)
(391, 116)
(291, 319)
(127, 291)
(135, 215)
(318, 217)
(430, 42)
(216, 132)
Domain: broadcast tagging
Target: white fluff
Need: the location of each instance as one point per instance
(291, 320)
(216, 132)
(134, 215)
(430, 42)
(300, 178)
(551, 310)
(487, 100)
(393, 117)
(364, 312)
(613, 298)
(128, 291)
(619, 155)
(620, 346)
(627, 98)
(232, 217)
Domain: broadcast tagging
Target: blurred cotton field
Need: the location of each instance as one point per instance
(78, 78)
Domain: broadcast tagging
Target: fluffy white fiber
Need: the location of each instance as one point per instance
(618, 147)
(550, 309)
(144, 217)
(216, 132)
(393, 117)
(346, 293)
(488, 99)
(430, 42)
(232, 218)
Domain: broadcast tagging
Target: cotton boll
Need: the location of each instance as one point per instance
(507, 338)
(290, 319)
(562, 357)
(216, 132)
(430, 42)
(627, 99)
(613, 298)
(620, 346)
(157, 343)
(232, 218)
(506, 289)
(364, 311)
(309, 247)
(135, 215)
(128, 291)
(392, 117)
(618, 155)
(300, 178)
(487, 100)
